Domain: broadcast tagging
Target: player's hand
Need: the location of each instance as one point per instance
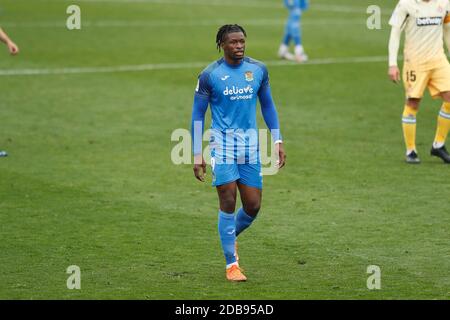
(281, 155)
(13, 48)
(394, 74)
(199, 168)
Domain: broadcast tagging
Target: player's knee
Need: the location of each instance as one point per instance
(446, 96)
(252, 208)
(413, 103)
(227, 203)
(228, 206)
(227, 198)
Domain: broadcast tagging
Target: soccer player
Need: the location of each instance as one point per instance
(232, 85)
(13, 50)
(426, 24)
(293, 31)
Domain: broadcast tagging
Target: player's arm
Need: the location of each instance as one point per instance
(270, 116)
(397, 21)
(394, 45)
(447, 29)
(12, 47)
(199, 107)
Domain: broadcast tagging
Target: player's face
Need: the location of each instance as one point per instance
(234, 46)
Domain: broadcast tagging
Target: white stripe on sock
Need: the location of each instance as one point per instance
(437, 145)
(232, 264)
(444, 115)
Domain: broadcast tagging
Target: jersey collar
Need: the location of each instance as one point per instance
(233, 66)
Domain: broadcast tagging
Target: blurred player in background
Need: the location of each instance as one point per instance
(13, 50)
(232, 85)
(293, 31)
(426, 24)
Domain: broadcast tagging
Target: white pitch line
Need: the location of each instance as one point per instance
(172, 66)
(216, 3)
(249, 4)
(315, 7)
(167, 23)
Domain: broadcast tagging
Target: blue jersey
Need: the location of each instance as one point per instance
(232, 92)
(296, 4)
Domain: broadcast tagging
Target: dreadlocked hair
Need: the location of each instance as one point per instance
(226, 29)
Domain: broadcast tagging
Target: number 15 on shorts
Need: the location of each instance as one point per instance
(410, 76)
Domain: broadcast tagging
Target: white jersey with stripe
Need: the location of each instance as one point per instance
(423, 24)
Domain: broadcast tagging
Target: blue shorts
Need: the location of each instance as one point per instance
(246, 173)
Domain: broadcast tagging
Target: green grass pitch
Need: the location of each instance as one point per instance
(89, 180)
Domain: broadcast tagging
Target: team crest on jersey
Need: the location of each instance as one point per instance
(249, 76)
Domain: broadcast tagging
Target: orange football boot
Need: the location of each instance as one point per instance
(234, 273)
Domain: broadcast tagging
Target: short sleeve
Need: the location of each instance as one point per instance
(203, 88)
(399, 15)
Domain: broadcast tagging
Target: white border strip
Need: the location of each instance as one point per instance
(172, 66)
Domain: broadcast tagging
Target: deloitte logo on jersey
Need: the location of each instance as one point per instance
(237, 93)
(433, 21)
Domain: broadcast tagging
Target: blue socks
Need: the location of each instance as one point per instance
(243, 221)
(227, 233)
(230, 226)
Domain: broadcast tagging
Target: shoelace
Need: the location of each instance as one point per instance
(234, 268)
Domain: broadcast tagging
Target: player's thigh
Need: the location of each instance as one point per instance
(440, 81)
(227, 196)
(415, 81)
